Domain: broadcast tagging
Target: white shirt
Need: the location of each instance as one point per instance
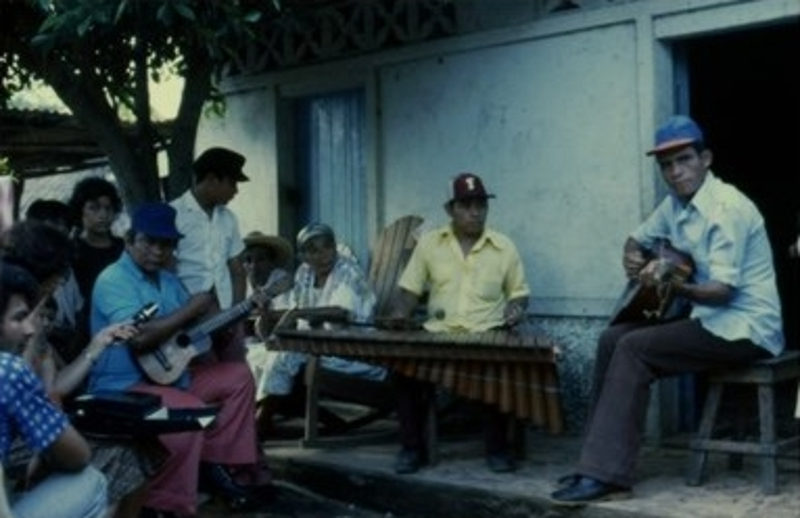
(206, 247)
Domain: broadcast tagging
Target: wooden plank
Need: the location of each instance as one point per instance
(390, 254)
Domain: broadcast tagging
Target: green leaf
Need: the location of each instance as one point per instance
(164, 14)
(185, 11)
(123, 5)
(44, 42)
(252, 17)
(85, 26)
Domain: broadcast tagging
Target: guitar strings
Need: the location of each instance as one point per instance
(272, 336)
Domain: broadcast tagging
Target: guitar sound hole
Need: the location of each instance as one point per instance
(183, 340)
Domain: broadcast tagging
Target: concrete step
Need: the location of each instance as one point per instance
(460, 485)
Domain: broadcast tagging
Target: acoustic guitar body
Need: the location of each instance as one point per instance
(640, 303)
(166, 364)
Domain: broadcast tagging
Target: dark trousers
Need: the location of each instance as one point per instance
(412, 403)
(630, 357)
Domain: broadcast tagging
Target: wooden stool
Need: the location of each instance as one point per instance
(765, 375)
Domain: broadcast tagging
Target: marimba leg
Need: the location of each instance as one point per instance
(537, 391)
(521, 390)
(506, 389)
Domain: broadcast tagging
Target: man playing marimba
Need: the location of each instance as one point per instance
(477, 282)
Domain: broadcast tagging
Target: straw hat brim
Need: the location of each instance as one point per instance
(281, 247)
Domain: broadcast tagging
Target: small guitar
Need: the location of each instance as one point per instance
(640, 303)
(165, 364)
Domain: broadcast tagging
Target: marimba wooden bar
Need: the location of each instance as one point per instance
(515, 371)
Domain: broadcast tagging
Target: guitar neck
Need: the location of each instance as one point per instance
(225, 318)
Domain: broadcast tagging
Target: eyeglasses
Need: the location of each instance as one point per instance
(153, 242)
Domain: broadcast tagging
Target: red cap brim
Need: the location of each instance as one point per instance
(670, 145)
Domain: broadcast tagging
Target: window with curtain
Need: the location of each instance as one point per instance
(330, 165)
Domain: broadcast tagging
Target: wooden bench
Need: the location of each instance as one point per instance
(763, 375)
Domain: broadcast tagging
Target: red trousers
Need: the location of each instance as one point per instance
(230, 440)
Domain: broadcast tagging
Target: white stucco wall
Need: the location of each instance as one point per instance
(248, 126)
(550, 125)
(554, 114)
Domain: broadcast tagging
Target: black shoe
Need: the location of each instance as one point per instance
(568, 480)
(408, 461)
(500, 463)
(586, 489)
(149, 512)
(217, 480)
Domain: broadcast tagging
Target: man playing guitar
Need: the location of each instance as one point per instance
(734, 310)
(140, 276)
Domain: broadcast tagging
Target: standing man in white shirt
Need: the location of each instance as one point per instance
(207, 258)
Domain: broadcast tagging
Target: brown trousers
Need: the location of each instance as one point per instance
(630, 357)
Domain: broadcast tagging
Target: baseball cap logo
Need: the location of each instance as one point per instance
(470, 181)
(468, 185)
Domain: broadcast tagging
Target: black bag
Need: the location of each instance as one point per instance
(128, 414)
(128, 404)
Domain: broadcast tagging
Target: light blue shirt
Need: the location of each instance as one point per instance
(120, 291)
(724, 233)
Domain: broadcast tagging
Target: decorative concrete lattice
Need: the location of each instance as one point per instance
(345, 29)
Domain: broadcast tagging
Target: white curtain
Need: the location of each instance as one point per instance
(332, 168)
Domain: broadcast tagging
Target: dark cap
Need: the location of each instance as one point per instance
(678, 131)
(221, 162)
(155, 219)
(468, 185)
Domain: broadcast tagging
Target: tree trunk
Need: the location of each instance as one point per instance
(136, 171)
(180, 152)
(133, 157)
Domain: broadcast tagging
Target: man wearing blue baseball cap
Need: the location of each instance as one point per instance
(732, 313)
(142, 275)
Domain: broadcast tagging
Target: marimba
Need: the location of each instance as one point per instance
(513, 370)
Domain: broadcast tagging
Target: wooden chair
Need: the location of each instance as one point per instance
(389, 255)
(763, 376)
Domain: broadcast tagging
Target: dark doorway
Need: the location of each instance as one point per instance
(745, 92)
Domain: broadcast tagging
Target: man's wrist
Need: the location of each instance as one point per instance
(682, 289)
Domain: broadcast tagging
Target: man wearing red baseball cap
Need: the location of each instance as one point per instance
(733, 313)
(477, 282)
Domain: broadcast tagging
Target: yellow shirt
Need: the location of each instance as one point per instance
(467, 293)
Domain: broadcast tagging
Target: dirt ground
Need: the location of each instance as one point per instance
(361, 480)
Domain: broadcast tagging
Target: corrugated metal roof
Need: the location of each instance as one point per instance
(44, 142)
